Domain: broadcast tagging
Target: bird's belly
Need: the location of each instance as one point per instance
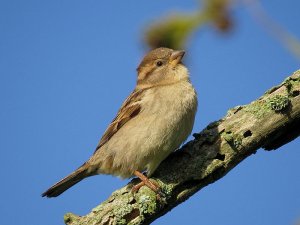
(146, 144)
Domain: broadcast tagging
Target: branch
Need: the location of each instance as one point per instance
(269, 122)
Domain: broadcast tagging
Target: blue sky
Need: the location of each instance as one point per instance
(65, 68)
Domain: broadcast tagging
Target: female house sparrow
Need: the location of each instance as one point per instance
(152, 122)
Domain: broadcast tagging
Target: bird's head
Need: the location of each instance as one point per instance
(161, 66)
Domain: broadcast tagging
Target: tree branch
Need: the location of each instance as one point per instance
(269, 122)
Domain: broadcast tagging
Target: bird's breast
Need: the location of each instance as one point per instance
(170, 102)
(169, 114)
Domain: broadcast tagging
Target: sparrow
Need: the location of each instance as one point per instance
(153, 121)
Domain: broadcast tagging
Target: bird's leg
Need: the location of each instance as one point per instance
(145, 181)
(136, 187)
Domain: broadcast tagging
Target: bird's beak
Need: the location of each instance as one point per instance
(176, 57)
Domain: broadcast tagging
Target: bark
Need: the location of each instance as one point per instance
(268, 123)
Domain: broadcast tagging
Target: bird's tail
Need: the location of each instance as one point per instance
(67, 182)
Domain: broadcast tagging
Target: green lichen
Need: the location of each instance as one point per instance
(291, 82)
(237, 142)
(278, 102)
(275, 103)
(147, 204)
(228, 136)
(234, 140)
(121, 212)
(166, 189)
(258, 109)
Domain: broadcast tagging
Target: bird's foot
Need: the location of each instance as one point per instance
(137, 187)
(150, 184)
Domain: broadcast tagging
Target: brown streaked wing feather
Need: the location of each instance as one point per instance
(130, 109)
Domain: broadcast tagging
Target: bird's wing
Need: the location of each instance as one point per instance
(130, 108)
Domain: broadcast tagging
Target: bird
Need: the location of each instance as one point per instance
(154, 120)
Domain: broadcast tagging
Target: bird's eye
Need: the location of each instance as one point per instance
(159, 63)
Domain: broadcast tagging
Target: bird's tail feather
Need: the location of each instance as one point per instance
(67, 182)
